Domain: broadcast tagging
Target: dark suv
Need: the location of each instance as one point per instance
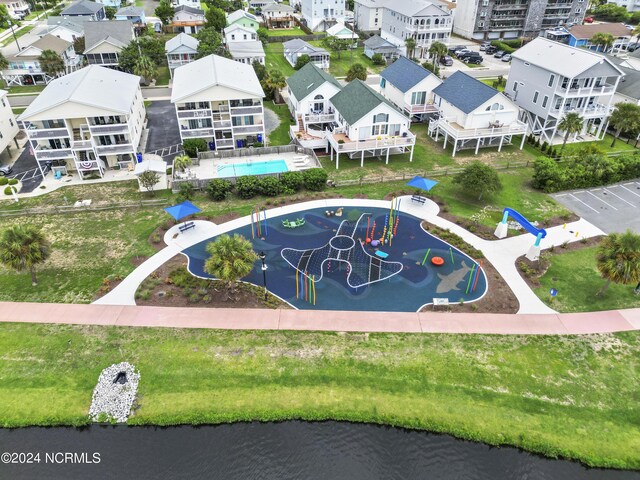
(471, 57)
(490, 50)
(447, 61)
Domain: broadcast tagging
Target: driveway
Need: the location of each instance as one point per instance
(614, 208)
(25, 169)
(163, 128)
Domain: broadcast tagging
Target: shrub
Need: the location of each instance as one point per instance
(194, 145)
(9, 190)
(315, 179)
(186, 192)
(218, 188)
(270, 186)
(13, 181)
(504, 46)
(247, 187)
(292, 181)
(432, 68)
(258, 144)
(3, 181)
(378, 59)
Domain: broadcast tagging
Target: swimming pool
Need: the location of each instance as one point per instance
(253, 168)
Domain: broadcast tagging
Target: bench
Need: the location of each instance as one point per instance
(418, 198)
(186, 226)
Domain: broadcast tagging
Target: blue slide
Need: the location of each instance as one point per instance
(538, 232)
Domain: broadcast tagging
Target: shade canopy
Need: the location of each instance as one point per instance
(422, 183)
(182, 210)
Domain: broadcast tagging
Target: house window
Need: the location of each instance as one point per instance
(10, 121)
(381, 117)
(483, 14)
(515, 86)
(418, 98)
(494, 107)
(381, 129)
(3, 104)
(552, 79)
(535, 97)
(395, 129)
(544, 101)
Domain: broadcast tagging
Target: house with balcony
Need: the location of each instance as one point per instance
(87, 122)
(278, 15)
(65, 28)
(8, 127)
(581, 35)
(134, 14)
(105, 40)
(549, 79)
(181, 49)
(296, 48)
(219, 100)
(473, 115)
(17, 9)
(309, 92)
(187, 19)
(85, 9)
(320, 15)
(409, 86)
(367, 124)
(24, 67)
(628, 90)
(245, 19)
(423, 20)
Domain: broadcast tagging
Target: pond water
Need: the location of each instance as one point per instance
(289, 450)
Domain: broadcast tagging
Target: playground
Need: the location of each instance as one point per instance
(354, 258)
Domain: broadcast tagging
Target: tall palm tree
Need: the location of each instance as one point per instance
(571, 123)
(603, 40)
(231, 259)
(636, 32)
(357, 71)
(275, 81)
(437, 50)
(410, 43)
(624, 118)
(22, 247)
(145, 68)
(51, 63)
(181, 162)
(618, 259)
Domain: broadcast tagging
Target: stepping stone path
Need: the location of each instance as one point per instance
(115, 392)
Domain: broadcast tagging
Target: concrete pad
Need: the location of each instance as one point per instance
(328, 320)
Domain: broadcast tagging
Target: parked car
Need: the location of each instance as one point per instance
(5, 170)
(499, 54)
(632, 47)
(506, 57)
(463, 51)
(474, 58)
(588, 19)
(490, 50)
(447, 61)
(484, 46)
(455, 48)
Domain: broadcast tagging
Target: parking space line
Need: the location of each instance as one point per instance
(561, 195)
(585, 204)
(627, 189)
(628, 203)
(598, 198)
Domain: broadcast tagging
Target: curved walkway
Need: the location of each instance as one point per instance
(501, 253)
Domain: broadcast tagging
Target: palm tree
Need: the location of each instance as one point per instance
(51, 63)
(437, 50)
(358, 71)
(181, 162)
(145, 68)
(231, 259)
(22, 247)
(275, 81)
(636, 32)
(624, 118)
(571, 123)
(4, 63)
(618, 259)
(604, 40)
(410, 43)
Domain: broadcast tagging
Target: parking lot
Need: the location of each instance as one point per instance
(614, 208)
(491, 67)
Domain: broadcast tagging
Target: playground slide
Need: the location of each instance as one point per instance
(508, 212)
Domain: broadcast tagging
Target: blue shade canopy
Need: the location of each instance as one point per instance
(182, 210)
(422, 183)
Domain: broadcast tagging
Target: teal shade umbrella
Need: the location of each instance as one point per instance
(182, 210)
(422, 183)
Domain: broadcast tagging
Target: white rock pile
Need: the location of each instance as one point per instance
(112, 398)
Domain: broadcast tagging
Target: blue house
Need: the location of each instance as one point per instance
(581, 35)
(133, 14)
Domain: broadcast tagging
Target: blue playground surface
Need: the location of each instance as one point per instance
(322, 246)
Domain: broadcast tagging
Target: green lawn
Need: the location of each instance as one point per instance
(342, 61)
(576, 277)
(18, 33)
(604, 145)
(26, 89)
(18, 110)
(280, 136)
(163, 76)
(287, 32)
(551, 395)
(274, 59)
(489, 81)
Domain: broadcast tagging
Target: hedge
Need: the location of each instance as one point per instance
(13, 181)
(9, 190)
(501, 45)
(3, 181)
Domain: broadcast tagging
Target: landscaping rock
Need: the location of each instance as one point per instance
(115, 398)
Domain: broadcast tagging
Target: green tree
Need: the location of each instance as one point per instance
(636, 30)
(5, 18)
(618, 259)
(165, 12)
(23, 247)
(378, 59)
(478, 178)
(148, 46)
(192, 146)
(273, 82)
(110, 12)
(612, 12)
(4, 63)
(301, 61)
(410, 43)
(260, 69)
(145, 68)
(437, 50)
(624, 118)
(79, 45)
(231, 259)
(182, 162)
(337, 45)
(571, 123)
(357, 71)
(51, 63)
(263, 35)
(148, 180)
(210, 42)
(216, 18)
(603, 41)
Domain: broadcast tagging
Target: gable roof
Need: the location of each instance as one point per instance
(180, 40)
(278, 7)
(51, 42)
(377, 41)
(245, 48)
(629, 85)
(130, 11)
(357, 99)
(308, 79)
(342, 30)
(237, 26)
(559, 58)
(211, 71)
(404, 74)
(188, 9)
(237, 15)
(297, 44)
(116, 32)
(71, 24)
(93, 86)
(82, 7)
(588, 30)
(464, 92)
(413, 7)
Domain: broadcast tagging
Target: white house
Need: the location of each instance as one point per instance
(296, 48)
(259, 4)
(628, 90)
(239, 33)
(105, 40)
(8, 126)
(339, 30)
(17, 9)
(278, 15)
(24, 67)
(409, 87)
(89, 121)
(377, 44)
(181, 49)
(188, 19)
(320, 15)
(367, 125)
(473, 115)
(368, 15)
(219, 100)
(247, 52)
(65, 28)
(187, 3)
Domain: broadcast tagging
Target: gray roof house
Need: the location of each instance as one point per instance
(474, 115)
(132, 13)
(66, 28)
(247, 51)
(105, 40)
(377, 44)
(85, 8)
(181, 49)
(628, 90)
(296, 48)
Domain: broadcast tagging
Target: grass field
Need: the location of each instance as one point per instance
(551, 395)
(575, 275)
(163, 76)
(26, 89)
(280, 136)
(286, 32)
(489, 81)
(274, 59)
(18, 110)
(604, 145)
(18, 33)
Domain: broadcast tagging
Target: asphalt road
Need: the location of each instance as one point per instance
(163, 127)
(26, 170)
